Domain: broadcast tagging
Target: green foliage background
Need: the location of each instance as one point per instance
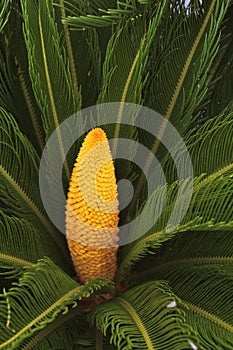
(176, 289)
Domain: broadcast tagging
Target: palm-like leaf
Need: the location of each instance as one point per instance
(131, 326)
(210, 207)
(102, 17)
(16, 94)
(198, 266)
(43, 307)
(206, 294)
(39, 26)
(19, 178)
(14, 256)
(47, 61)
(179, 274)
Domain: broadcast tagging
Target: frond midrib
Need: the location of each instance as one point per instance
(213, 176)
(25, 197)
(175, 96)
(137, 320)
(202, 260)
(208, 315)
(51, 95)
(16, 261)
(41, 316)
(207, 180)
(45, 223)
(188, 61)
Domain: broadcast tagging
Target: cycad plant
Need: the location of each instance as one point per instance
(171, 289)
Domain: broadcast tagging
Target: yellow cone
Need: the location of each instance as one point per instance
(92, 210)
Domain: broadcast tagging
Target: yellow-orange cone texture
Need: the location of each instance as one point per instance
(92, 210)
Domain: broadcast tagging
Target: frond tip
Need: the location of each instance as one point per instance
(92, 210)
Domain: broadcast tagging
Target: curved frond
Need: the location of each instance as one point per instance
(206, 295)
(21, 244)
(19, 186)
(144, 317)
(210, 209)
(210, 147)
(192, 39)
(126, 58)
(16, 94)
(48, 61)
(60, 338)
(198, 267)
(211, 205)
(210, 249)
(180, 88)
(83, 52)
(42, 293)
(125, 69)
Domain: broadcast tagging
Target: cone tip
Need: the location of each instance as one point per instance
(97, 134)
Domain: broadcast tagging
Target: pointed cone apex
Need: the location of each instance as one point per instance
(92, 210)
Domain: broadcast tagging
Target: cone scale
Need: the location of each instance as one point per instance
(92, 210)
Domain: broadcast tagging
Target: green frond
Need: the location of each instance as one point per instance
(42, 293)
(206, 295)
(210, 249)
(209, 209)
(104, 18)
(31, 109)
(16, 93)
(125, 71)
(210, 147)
(70, 55)
(145, 2)
(198, 267)
(19, 167)
(4, 13)
(74, 8)
(176, 88)
(47, 61)
(212, 200)
(196, 248)
(22, 245)
(83, 48)
(87, 54)
(175, 282)
(19, 178)
(142, 318)
(124, 68)
(221, 88)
